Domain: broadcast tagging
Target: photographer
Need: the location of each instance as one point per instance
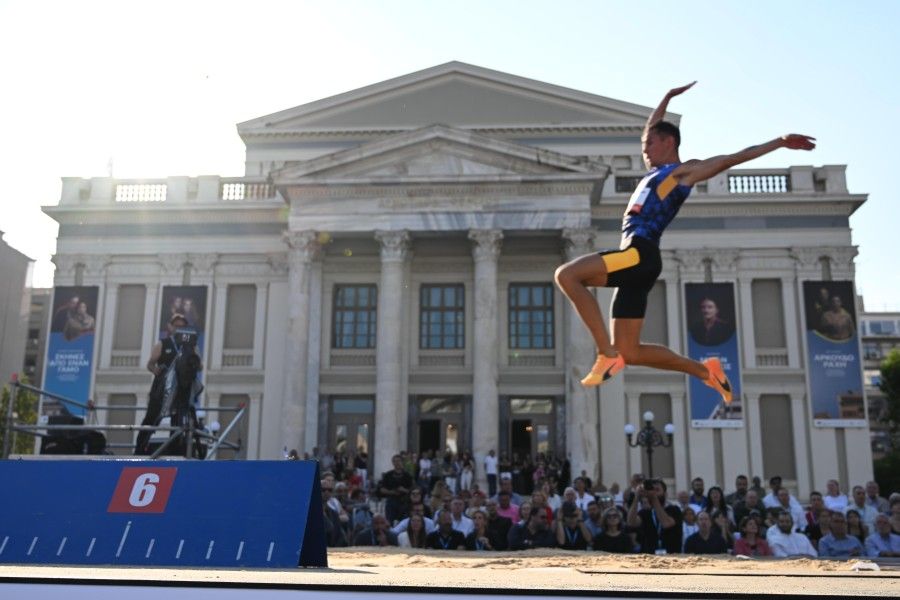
(162, 361)
(659, 527)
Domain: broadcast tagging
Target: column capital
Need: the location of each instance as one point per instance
(394, 245)
(303, 246)
(578, 242)
(487, 243)
(203, 263)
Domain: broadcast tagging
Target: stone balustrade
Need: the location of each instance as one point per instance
(100, 191)
(829, 179)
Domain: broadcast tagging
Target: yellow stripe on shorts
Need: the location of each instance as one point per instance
(666, 186)
(616, 261)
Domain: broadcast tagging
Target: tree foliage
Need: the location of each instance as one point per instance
(890, 386)
(24, 412)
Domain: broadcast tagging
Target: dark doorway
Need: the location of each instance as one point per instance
(521, 437)
(430, 435)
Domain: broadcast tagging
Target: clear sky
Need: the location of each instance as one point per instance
(157, 87)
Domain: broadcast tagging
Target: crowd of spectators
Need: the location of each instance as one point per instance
(435, 502)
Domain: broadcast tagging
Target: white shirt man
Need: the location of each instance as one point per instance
(490, 464)
(785, 542)
(867, 512)
(460, 522)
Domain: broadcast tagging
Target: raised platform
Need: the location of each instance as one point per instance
(363, 573)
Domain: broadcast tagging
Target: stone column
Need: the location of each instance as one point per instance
(485, 406)
(580, 353)
(302, 249)
(390, 421)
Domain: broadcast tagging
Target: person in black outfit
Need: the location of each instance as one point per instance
(379, 534)
(571, 532)
(445, 538)
(395, 486)
(659, 527)
(534, 533)
(162, 356)
(498, 526)
(612, 536)
(706, 540)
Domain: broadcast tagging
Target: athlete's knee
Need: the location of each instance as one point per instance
(564, 276)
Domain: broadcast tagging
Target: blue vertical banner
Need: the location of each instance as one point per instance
(832, 353)
(188, 301)
(70, 350)
(711, 318)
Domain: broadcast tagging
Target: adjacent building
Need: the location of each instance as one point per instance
(15, 271)
(880, 334)
(382, 278)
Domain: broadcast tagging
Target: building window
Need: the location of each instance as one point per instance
(531, 316)
(353, 323)
(442, 317)
(240, 317)
(882, 328)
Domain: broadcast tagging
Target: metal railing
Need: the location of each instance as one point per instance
(187, 431)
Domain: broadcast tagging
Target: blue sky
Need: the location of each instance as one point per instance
(159, 86)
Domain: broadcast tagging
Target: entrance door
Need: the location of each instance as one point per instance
(520, 438)
(430, 436)
(350, 425)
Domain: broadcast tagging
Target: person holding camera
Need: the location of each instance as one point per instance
(659, 526)
(162, 356)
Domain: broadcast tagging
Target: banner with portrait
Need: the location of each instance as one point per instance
(188, 301)
(70, 349)
(833, 365)
(711, 321)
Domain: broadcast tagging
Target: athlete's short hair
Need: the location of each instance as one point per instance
(667, 129)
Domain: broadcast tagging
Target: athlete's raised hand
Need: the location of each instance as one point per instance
(797, 141)
(680, 90)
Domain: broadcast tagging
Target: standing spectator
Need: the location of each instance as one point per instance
(424, 479)
(490, 470)
(445, 538)
(883, 542)
(378, 535)
(855, 526)
(504, 466)
(659, 527)
(750, 543)
(612, 537)
(688, 524)
(697, 499)
(715, 502)
(834, 499)
(865, 511)
(498, 526)
(784, 541)
(838, 543)
(706, 540)
(361, 466)
(449, 471)
(741, 485)
(750, 503)
(571, 532)
(533, 533)
(480, 538)
(395, 486)
(414, 535)
(506, 508)
(877, 502)
(467, 472)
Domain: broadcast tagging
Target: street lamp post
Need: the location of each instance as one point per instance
(649, 438)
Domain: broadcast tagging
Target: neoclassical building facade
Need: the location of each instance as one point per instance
(382, 276)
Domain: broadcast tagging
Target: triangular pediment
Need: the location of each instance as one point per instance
(456, 94)
(438, 151)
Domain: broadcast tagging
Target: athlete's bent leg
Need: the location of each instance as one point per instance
(573, 279)
(627, 340)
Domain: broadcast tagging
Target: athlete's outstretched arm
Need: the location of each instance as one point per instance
(695, 171)
(660, 113)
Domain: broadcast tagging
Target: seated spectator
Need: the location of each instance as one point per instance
(416, 497)
(524, 511)
(480, 538)
(820, 529)
(741, 486)
(715, 502)
(833, 498)
(582, 495)
(612, 536)
(751, 502)
(417, 509)
(659, 527)
(394, 487)
(895, 515)
(688, 524)
(865, 512)
(783, 502)
(498, 526)
(571, 532)
(554, 500)
(883, 542)
(722, 526)
(505, 508)
(750, 544)
(697, 499)
(771, 501)
(816, 505)
(706, 540)
(476, 504)
(593, 520)
(415, 534)
(856, 527)
(445, 538)
(539, 499)
(879, 503)
(506, 485)
(683, 498)
(534, 533)
(379, 534)
(461, 522)
(784, 541)
(837, 543)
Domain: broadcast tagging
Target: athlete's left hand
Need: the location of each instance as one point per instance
(797, 141)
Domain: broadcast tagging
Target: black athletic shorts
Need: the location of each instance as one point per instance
(632, 271)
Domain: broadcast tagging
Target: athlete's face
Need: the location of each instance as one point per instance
(658, 148)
